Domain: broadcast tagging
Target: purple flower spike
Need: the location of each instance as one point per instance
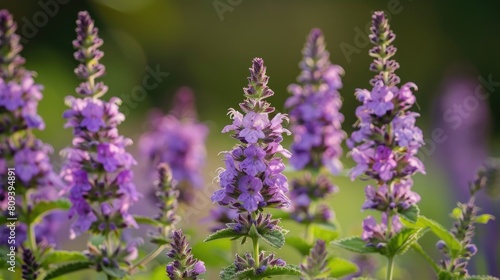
(178, 139)
(315, 263)
(253, 176)
(97, 166)
(19, 148)
(183, 265)
(314, 109)
(88, 54)
(386, 140)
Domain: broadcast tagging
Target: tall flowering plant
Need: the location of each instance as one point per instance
(253, 181)
(385, 146)
(178, 139)
(316, 122)
(28, 184)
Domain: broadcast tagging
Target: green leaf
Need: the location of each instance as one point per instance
(115, 272)
(62, 256)
(480, 277)
(341, 267)
(288, 269)
(450, 240)
(215, 253)
(143, 220)
(275, 238)
(403, 240)
(326, 232)
(410, 214)
(363, 278)
(160, 241)
(228, 273)
(354, 244)
(67, 268)
(42, 208)
(484, 218)
(223, 233)
(300, 244)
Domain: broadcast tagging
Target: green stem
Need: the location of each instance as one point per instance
(390, 268)
(147, 259)
(429, 260)
(256, 251)
(255, 241)
(31, 235)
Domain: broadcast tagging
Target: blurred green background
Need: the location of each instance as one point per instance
(208, 45)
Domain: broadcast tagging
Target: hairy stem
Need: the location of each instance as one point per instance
(147, 259)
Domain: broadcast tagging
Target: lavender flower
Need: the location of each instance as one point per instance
(19, 148)
(98, 166)
(463, 230)
(253, 176)
(30, 265)
(183, 266)
(178, 139)
(314, 109)
(315, 267)
(376, 235)
(386, 141)
(167, 200)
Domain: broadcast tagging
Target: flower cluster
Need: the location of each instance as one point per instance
(306, 190)
(178, 139)
(265, 261)
(30, 265)
(314, 109)
(19, 94)
(98, 168)
(315, 265)
(386, 141)
(19, 148)
(183, 266)
(376, 235)
(463, 230)
(253, 176)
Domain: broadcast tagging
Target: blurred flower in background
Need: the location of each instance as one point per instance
(462, 115)
(178, 139)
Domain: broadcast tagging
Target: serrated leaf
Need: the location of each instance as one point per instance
(300, 244)
(410, 214)
(326, 232)
(484, 218)
(115, 272)
(341, 267)
(423, 222)
(223, 233)
(55, 257)
(275, 238)
(288, 269)
(363, 278)
(354, 244)
(67, 268)
(228, 273)
(143, 220)
(42, 208)
(481, 277)
(403, 240)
